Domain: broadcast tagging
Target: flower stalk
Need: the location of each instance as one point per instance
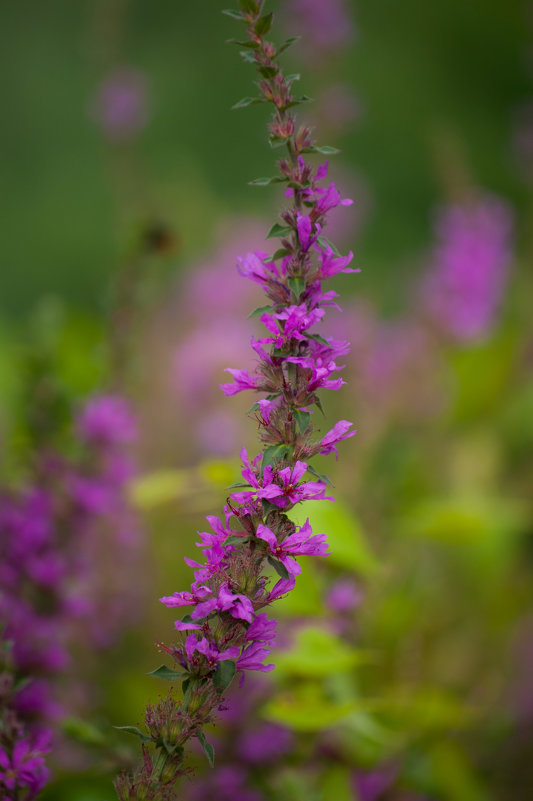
(226, 631)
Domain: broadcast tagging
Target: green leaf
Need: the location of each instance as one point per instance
(164, 672)
(208, 749)
(327, 150)
(185, 685)
(280, 253)
(259, 311)
(287, 43)
(294, 77)
(278, 566)
(319, 338)
(268, 507)
(276, 179)
(324, 242)
(318, 404)
(336, 784)
(248, 56)
(171, 749)
(320, 476)
(249, 6)
(297, 285)
(233, 539)
(248, 101)
(302, 418)
(238, 485)
(263, 24)
(224, 675)
(274, 454)
(230, 13)
(279, 230)
(248, 45)
(268, 72)
(299, 100)
(136, 731)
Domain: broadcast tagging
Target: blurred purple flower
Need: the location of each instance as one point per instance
(467, 274)
(267, 743)
(120, 107)
(325, 27)
(22, 771)
(106, 420)
(344, 596)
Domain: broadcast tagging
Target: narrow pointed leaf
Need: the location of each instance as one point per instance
(257, 313)
(320, 476)
(136, 731)
(224, 675)
(208, 749)
(263, 24)
(327, 150)
(279, 567)
(164, 672)
(248, 101)
(276, 179)
(279, 230)
(287, 43)
(274, 454)
(230, 13)
(302, 418)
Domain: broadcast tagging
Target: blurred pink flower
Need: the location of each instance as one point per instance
(120, 107)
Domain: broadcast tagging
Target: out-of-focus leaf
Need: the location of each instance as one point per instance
(454, 776)
(429, 710)
(336, 784)
(217, 472)
(317, 652)
(83, 731)
(307, 709)
(482, 376)
(345, 537)
(162, 486)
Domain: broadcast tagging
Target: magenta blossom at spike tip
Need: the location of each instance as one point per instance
(227, 630)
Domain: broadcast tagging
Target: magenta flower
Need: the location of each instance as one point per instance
(337, 433)
(305, 228)
(262, 629)
(330, 264)
(212, 653)
(252, 266)
(239, 606)
(24, 769)
(320, 370)
(186, 598)
(242, 380)
(252, 658)
(303, 541)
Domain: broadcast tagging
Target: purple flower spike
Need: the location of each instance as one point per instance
(293, 364)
